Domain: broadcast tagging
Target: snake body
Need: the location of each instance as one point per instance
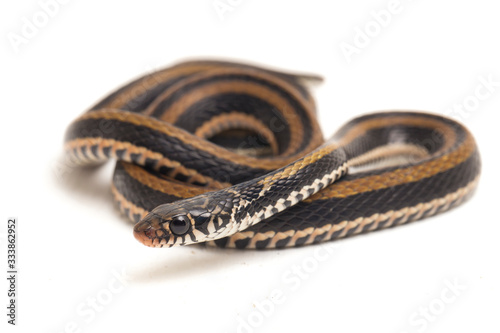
(232, 155)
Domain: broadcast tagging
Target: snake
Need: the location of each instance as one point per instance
(232, 155)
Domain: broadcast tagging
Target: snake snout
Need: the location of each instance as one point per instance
(144, 233)
(149, 231)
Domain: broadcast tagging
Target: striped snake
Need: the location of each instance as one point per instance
(233, 155)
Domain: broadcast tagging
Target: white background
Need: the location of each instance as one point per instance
(73, 243)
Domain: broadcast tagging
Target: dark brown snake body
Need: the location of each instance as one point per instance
(232, 155)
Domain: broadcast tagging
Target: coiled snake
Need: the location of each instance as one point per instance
(232, 155)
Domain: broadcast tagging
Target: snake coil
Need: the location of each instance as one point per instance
(232, 155)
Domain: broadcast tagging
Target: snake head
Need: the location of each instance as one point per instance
(180, 223)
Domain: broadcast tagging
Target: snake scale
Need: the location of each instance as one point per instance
(232, 155)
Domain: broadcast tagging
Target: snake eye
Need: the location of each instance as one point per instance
(179, 225)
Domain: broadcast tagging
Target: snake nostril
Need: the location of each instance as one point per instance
(144, 233)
